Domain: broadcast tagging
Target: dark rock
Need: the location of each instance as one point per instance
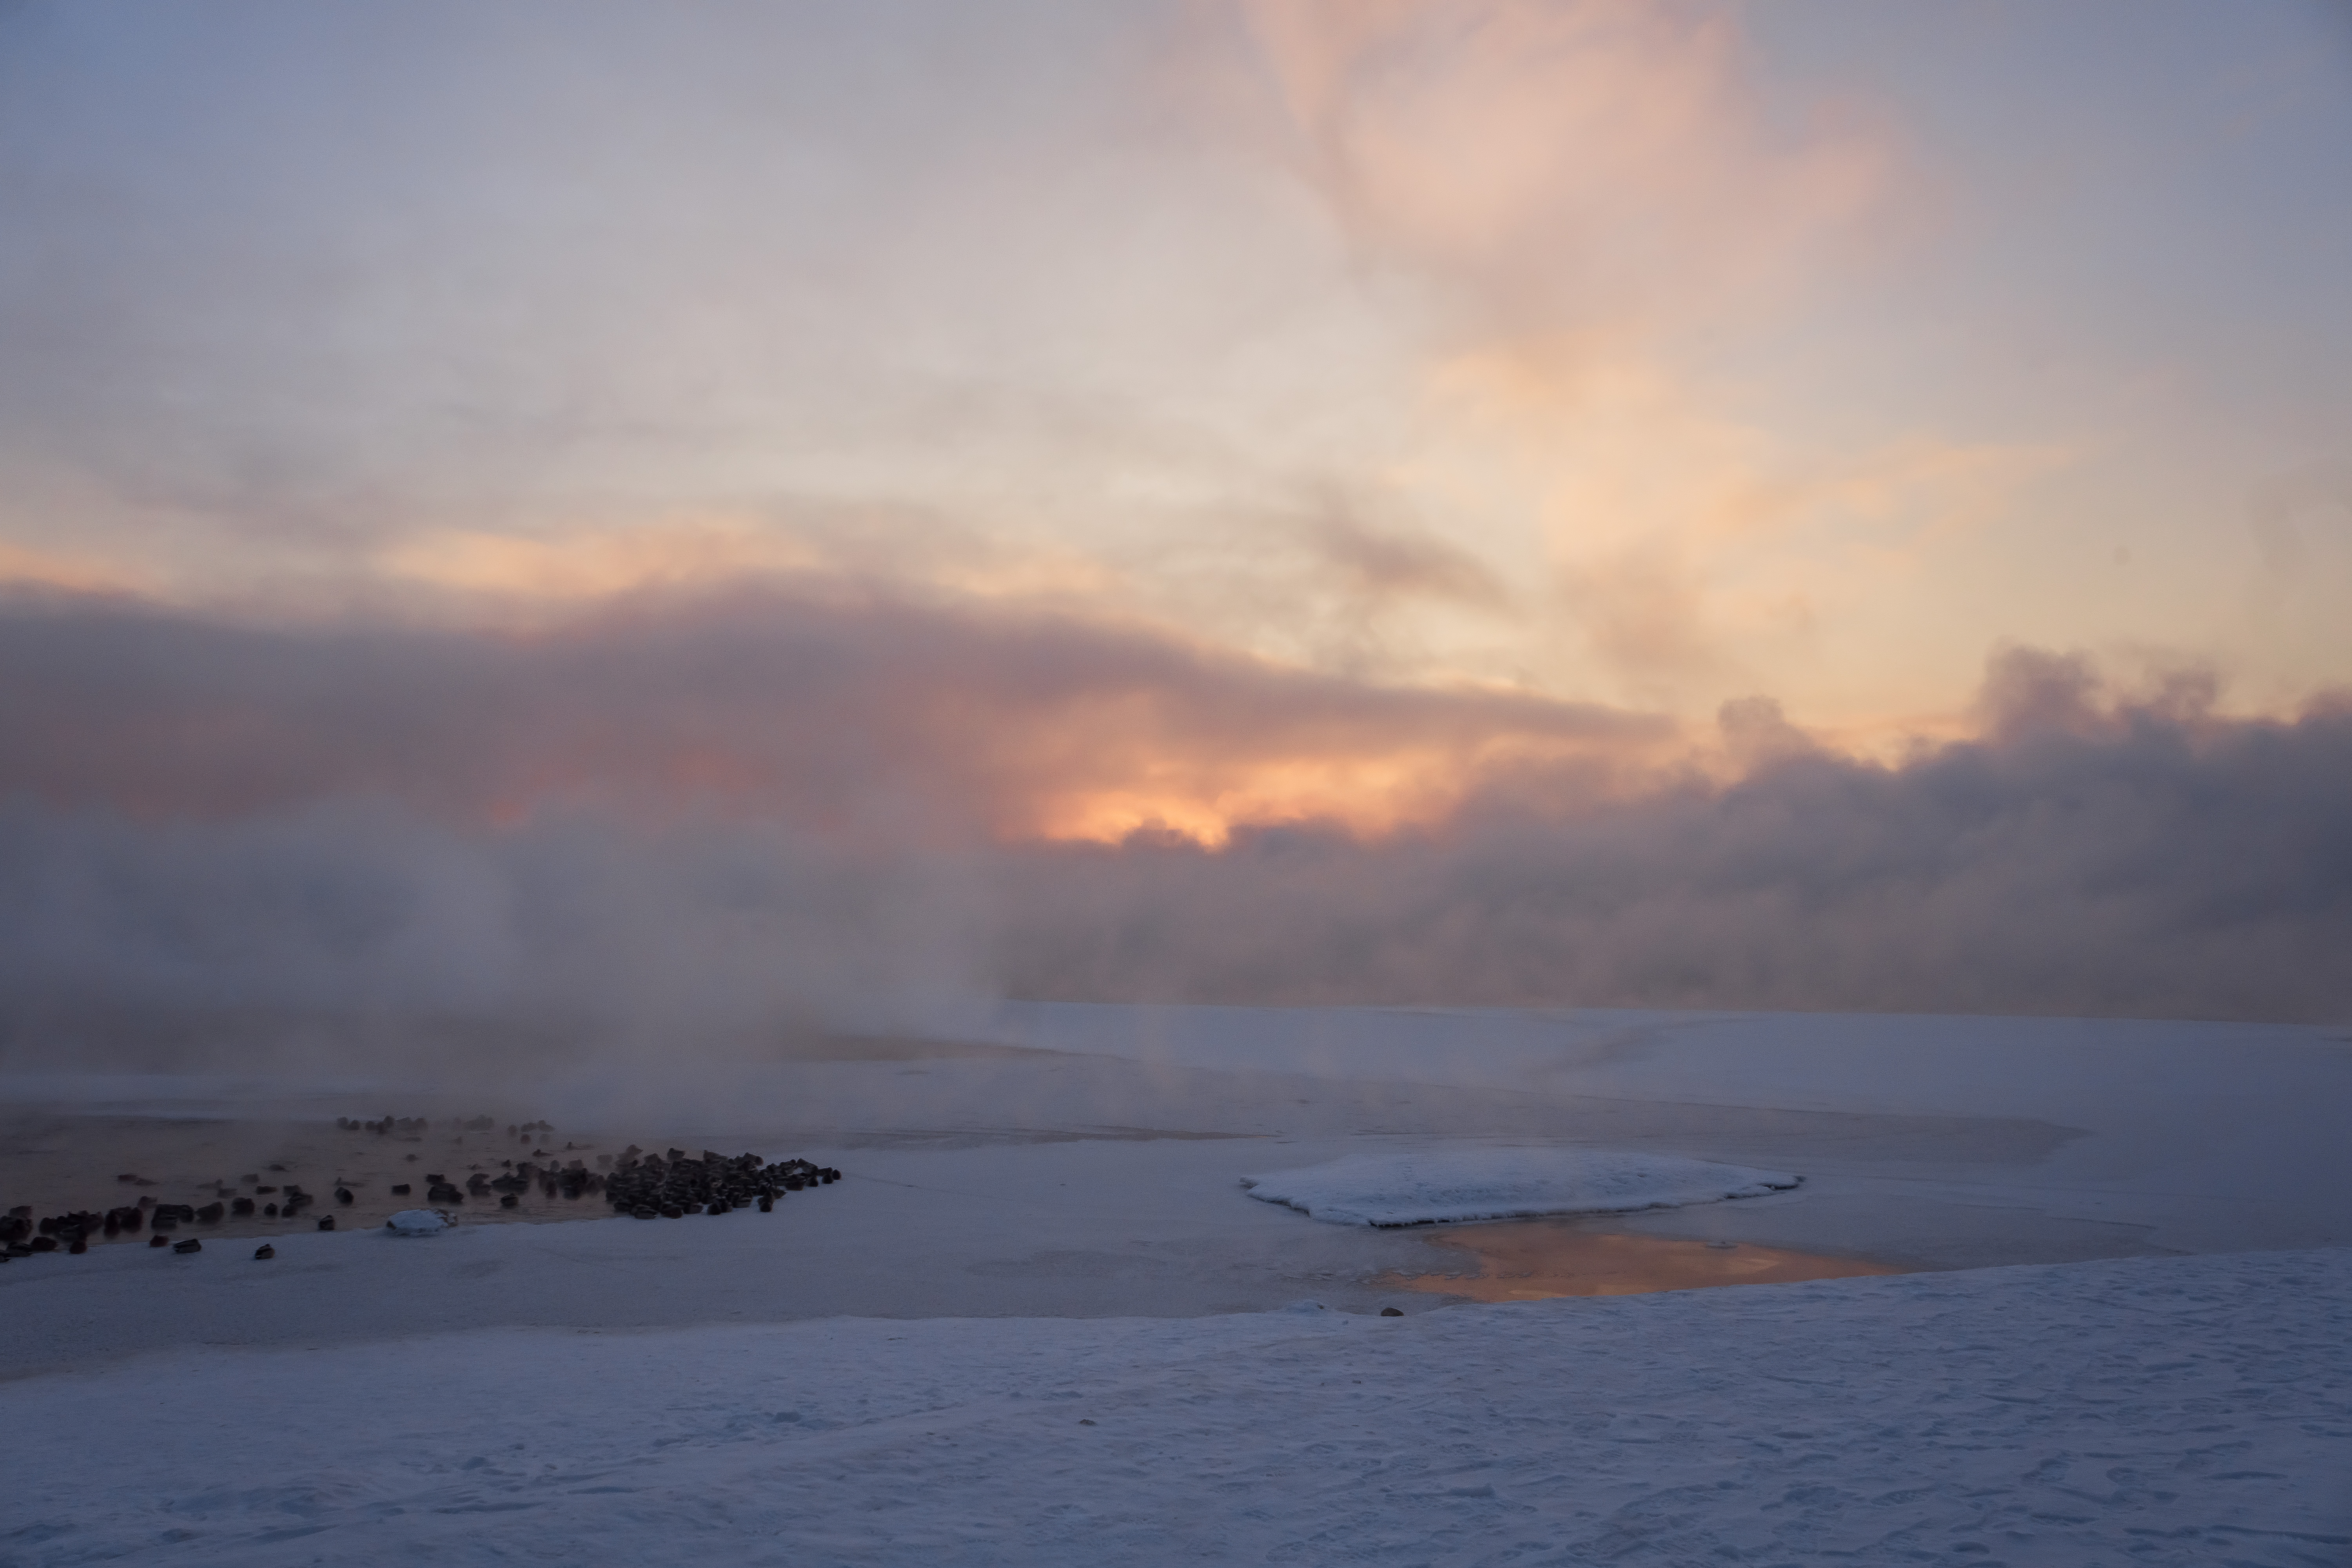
(269, 1210)
(767, 1204)
(344, 1196)
(647, 1213)
(509, 1201)
(401, 1191)
(211, 1214)
(669, 1211)
(191, 1244)
(241, 1206)
(78, 1245)
(325, 1222)
(159, 1240)
(1391, 1312)
(265, 1250)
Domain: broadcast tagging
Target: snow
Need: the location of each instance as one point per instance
(2170, 1411)
(1504, 1183)
(1040, 1322)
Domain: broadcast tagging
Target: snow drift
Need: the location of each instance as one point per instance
(1503, 1184)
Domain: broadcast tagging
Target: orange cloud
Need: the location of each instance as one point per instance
(1569, 163)
(21, 567)
(848, 715)
(1599, 192)
(591, 564)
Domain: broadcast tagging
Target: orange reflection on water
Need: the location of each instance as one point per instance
(1535, 1260)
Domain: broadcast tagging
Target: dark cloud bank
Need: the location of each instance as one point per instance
(2139, 861)
(731, 820)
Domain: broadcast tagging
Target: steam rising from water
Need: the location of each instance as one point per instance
(195, 868)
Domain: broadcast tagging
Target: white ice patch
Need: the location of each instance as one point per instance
(1503, 1184)
(417, 1222)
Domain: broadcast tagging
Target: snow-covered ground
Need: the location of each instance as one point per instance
(2188, 1410)
(1042, 1321)
(1428, 1186)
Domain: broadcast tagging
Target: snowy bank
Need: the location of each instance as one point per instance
(2152, 1411)
(1490, 1182)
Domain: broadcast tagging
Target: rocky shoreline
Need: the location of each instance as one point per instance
(647, 1186)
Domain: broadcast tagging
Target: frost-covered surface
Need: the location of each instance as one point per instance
(1421, 1186)
(2178, 1411)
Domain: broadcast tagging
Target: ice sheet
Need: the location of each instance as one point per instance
(1489, 1182)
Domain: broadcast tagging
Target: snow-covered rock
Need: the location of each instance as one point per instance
(1503, 1182)
(417, 1222)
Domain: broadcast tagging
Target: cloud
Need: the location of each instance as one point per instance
(1384, 565)
(703, 820)
(713, 823)
(2092, 853)
(1612, 209)
(1572, 165)
(839, 708)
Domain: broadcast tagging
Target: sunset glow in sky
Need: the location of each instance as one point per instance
(612, 518)
(1630, 357)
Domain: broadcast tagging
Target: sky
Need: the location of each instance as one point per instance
(987, 452)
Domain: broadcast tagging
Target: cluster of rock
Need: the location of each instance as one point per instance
(21, 1234)
(570, 1180)
(416, 1126)
(382, 1125)
(647, 1186)
(671, 1186)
